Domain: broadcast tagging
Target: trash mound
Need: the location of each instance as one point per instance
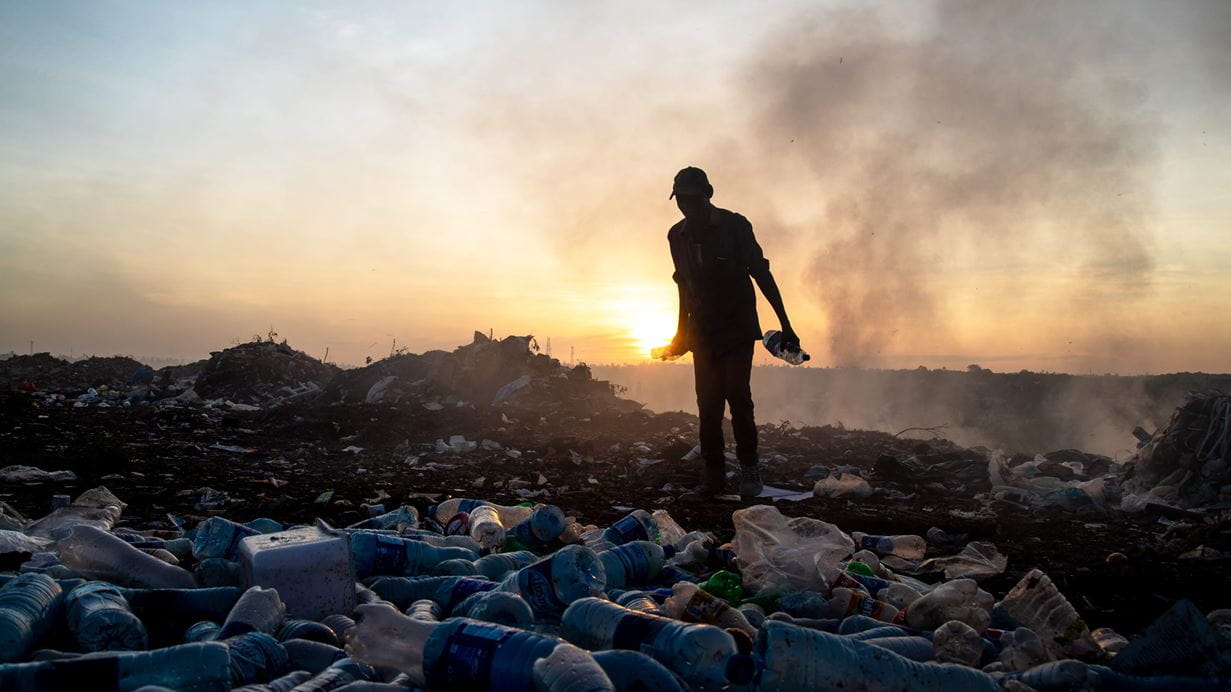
(504, 372)
(46, 373)
(262, 373)
(1186, 464)
(468, 594)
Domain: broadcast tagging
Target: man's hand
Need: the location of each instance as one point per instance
(790, 340)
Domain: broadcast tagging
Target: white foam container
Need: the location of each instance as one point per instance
(309, 566)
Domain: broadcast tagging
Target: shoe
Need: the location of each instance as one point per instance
(750, 484)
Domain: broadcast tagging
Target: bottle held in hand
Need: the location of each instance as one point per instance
(774, 344)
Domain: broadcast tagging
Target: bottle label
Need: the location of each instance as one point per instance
(469, 653)
(629, 529)
(469, 505)
(388, 555)
(702, 607)
(872, 584)
(465, 587)
(637, 632)
(632, 559)
(535, 583)
(877, 544)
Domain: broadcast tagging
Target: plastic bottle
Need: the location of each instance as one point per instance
(635, 562)
(497, 565)
(633, 670)
(101, 620)
(906, 547)
(689, 603)
(255, 657)
(1036, 603)
(94, 553)
(265, 525)
(959, 599)
(286, 683)
(500, 607)
(957, 642)
(844, 602)
(258, 610)
(485, 527)
(203, 631)
(637, 526)
(305, 654)
(540, 532)
(795, 658)
(374, 553)
(297, 628)
(698, 653)
(424, 609)
(340, 624)
(28, 606)
(557, 580)
(198, 667)
(454, 590)
(462, 653)
(773, 344)
(753, 613)
(336, 676)
(568, 669)
(402, 591)
(455, 567)
(181, 548)
(509, 516)
(641, 601)
(220, 537)
(898, 595)
(217, 571)
(724, 584)
(670, 532)
(402, 517)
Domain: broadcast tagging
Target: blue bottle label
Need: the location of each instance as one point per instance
(388, 555)
(469, 655)
(872, 584)
(535, 583)
(466, 587)
(628, 529)
(877, 544)
(469, 505)
(637, 631)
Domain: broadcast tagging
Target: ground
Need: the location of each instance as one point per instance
(280, 462)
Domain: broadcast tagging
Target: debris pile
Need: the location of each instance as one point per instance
(262, 373)
(45, 373)
(503, 373)
(466, 593)
(1186, 464)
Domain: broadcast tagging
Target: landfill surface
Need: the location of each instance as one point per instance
(261, 430)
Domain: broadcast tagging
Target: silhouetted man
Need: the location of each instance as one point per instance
(715, 253)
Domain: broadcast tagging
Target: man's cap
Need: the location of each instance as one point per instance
(690, 181)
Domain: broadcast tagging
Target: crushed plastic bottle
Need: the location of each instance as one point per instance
(376, 553)
(27, 611)
(698, 653)
(101, 620)
(906, 547)
(689, 603)
(198, 667)
(637, 526)
(94, 553)
(635, 562)
(960, 599)
(1036, 603)
(773, 344)
(552, 583)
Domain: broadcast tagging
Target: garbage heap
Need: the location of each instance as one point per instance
(505, 372)
(1186, 464)
(262, 373)
(471, 595)
(46, 373)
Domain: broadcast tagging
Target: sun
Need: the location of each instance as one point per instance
(650, 328)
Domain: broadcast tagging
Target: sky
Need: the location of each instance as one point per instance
(1021, 185)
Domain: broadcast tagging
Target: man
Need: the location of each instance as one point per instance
(715, 253)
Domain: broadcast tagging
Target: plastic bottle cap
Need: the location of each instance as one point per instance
(862, 568)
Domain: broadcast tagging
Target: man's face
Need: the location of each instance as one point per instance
(693, 207)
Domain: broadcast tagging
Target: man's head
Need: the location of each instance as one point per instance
(692, 192)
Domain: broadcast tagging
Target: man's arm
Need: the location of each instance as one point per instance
(758, 268)
(678, 343)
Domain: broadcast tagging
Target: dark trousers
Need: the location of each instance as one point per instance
(723, 378)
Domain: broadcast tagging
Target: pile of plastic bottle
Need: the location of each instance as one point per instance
(474, 595)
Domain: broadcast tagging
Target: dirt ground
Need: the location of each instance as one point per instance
(279, 463)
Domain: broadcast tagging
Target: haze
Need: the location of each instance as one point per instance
(1023, 185)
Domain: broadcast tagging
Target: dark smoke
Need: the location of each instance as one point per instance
(1007, 130)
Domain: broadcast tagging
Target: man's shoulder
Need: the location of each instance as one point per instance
(732, 219)
(676, 229)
